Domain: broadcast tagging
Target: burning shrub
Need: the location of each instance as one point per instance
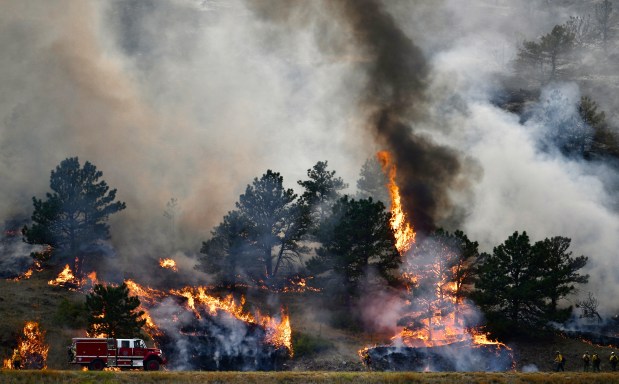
(31, 351)
(198, 331)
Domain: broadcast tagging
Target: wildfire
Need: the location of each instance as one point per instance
(299, 284)
(168, 264)
(436, 315)
(278, 331)
(36, 267)
(31, 351)
(403, 231)
(67, 279)
(64, 277)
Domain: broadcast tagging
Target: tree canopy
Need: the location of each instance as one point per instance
(75, 214)
(519, 284)
(321, 191)
(357, 237)
(373, 182)
(261, 235)
(113, 313)
(546, 56)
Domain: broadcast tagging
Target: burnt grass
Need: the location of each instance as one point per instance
(321, 347)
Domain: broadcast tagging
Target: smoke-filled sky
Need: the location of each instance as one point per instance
(192, 99)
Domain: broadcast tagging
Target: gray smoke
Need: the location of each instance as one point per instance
(193, 99)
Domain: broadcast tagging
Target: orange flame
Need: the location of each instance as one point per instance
(279, 332)
(66, 276)
(67, 279)
(168, 264)
(436, 320)
(31, 352)
(403, 231)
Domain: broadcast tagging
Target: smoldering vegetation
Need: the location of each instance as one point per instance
(461, 357)
(207, 341)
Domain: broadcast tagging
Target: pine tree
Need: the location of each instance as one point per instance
(113, 313)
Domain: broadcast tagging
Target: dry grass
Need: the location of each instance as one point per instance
(74, 377)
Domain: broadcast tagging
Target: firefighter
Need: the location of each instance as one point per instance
(559, 362)
(613, 361)
(595, 362)
(586, 361)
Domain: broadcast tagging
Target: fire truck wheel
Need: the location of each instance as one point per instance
(151, 365)
(96, 365)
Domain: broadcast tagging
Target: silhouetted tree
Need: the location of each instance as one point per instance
(604, 141)
(507, 288)
(266, 230)
(603, 11)
(559, 273)
(228, 253)
(171, 213)
(546, 56)
(321, 191)
(373, 182)
(589, 308)
(357, 237)
(113, 313)
(519, 285)
(75, 214)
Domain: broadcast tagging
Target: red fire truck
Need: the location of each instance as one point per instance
(99, 353)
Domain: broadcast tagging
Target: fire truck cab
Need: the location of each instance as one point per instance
(99, 353)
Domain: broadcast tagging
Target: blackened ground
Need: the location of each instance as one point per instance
(463, 356)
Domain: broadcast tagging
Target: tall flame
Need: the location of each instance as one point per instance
(403, 231)
(31, 351)
(436, 319)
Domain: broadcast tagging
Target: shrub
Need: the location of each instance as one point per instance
(305, 344)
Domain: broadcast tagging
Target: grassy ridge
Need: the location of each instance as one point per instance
(74, 377)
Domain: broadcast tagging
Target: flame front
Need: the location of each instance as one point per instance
(168, 264)
(67, 279)
(278, 330)
(403, 231)
(66, 276)
(31, 351)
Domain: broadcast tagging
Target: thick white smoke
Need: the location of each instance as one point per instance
(522, 186)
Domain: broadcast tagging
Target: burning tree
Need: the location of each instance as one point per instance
(75, 213)
(31, 351)
(436, 333)
(113, 313)
(439, 270)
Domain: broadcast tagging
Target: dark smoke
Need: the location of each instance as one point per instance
(394, 97)
(396, 75)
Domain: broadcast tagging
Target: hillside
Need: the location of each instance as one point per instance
(335, 350)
